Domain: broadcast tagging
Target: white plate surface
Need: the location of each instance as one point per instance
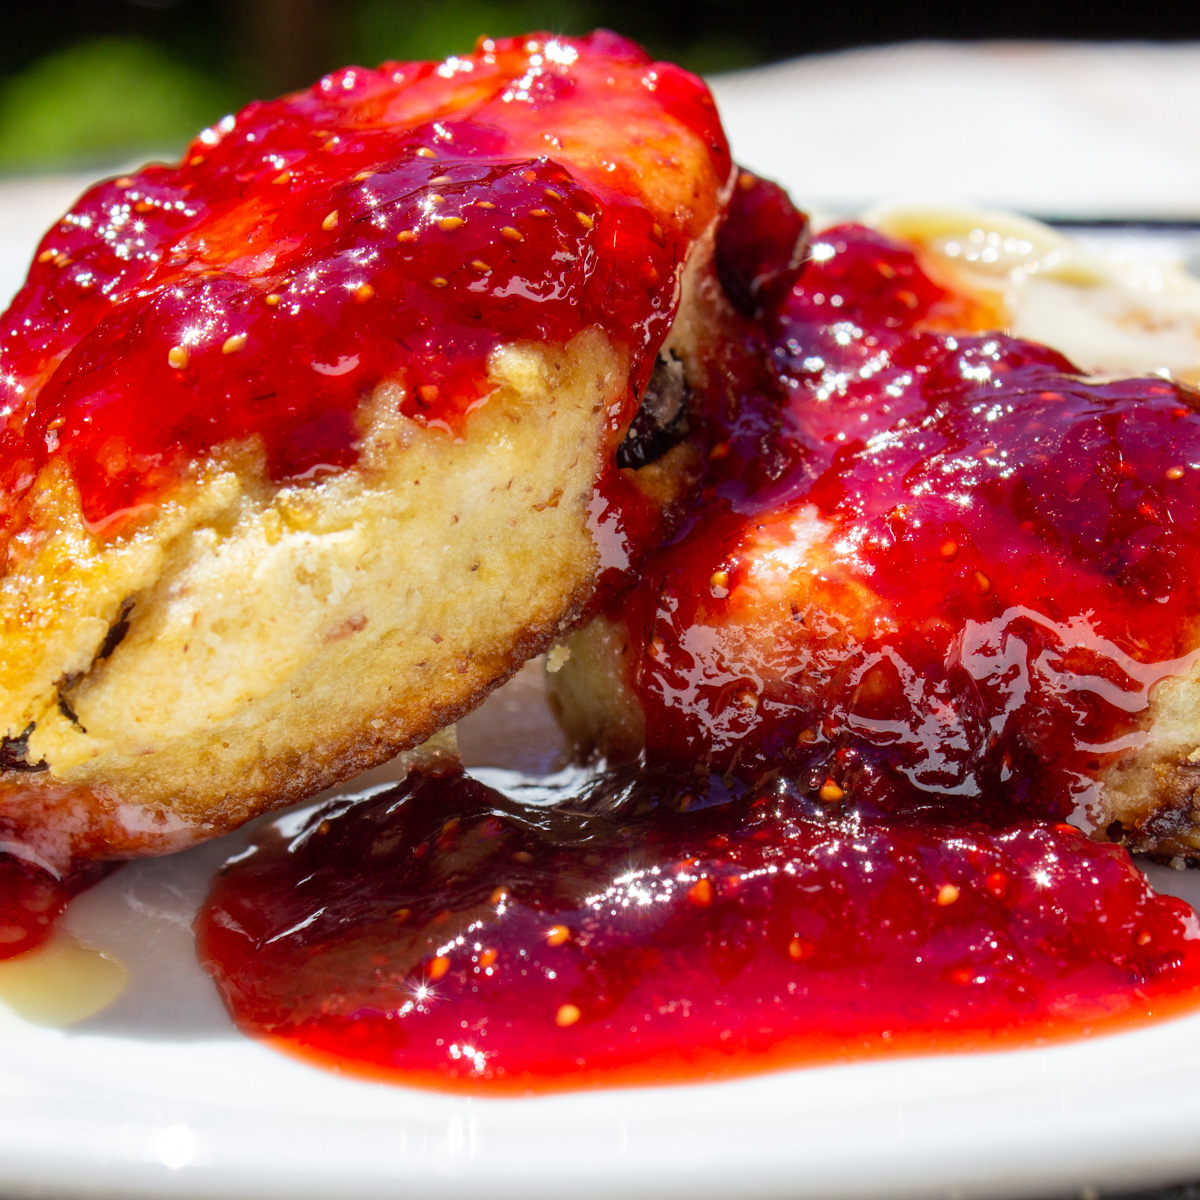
(159, 1096)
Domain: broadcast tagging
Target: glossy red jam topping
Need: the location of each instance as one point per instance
(32, 898)
(442, 934)
(760, 252)
(396, 224)
(932, 569)
(931, 581)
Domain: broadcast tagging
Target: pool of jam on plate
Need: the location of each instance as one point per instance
(443, 934)
(934, 568)
(391, 223)
(32, 898)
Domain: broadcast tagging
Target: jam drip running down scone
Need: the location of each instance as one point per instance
(310, 440)
(936, 569)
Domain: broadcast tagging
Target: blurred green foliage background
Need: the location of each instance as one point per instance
(91, 83)
(88, 83)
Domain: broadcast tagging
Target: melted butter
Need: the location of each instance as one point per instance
(1107, 313)
(60, 983)
(996, 246)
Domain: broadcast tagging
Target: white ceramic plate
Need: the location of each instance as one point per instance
(158, 1095)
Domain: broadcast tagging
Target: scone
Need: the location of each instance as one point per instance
(937, 566)
(312, 439)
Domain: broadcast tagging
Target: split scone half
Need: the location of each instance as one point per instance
(938, 563)
(312, 439)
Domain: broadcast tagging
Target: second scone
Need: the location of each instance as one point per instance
(937, 567)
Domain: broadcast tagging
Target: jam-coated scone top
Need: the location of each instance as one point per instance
(310, 440)
(935, 567)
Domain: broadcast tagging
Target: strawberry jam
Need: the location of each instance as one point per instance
(931, 582)
(443, 934)
(32, 897)
(30, 900)
(394, 224)
(933, 569)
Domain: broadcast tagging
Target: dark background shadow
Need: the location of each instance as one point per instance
(86, 82)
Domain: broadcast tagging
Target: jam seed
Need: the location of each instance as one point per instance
(438, 967)
(567, 1014)
(513, 235)
(449, 224)
(948, 894)
(331, 221)
(177, 356)
(233, 343)
(557, 935)
(700, 893)
(830, 792)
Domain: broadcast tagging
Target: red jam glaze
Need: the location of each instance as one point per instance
(932, 569)
(32, 898)
(907, 621)
(443, 935)
(760, 252)
(391, 223)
